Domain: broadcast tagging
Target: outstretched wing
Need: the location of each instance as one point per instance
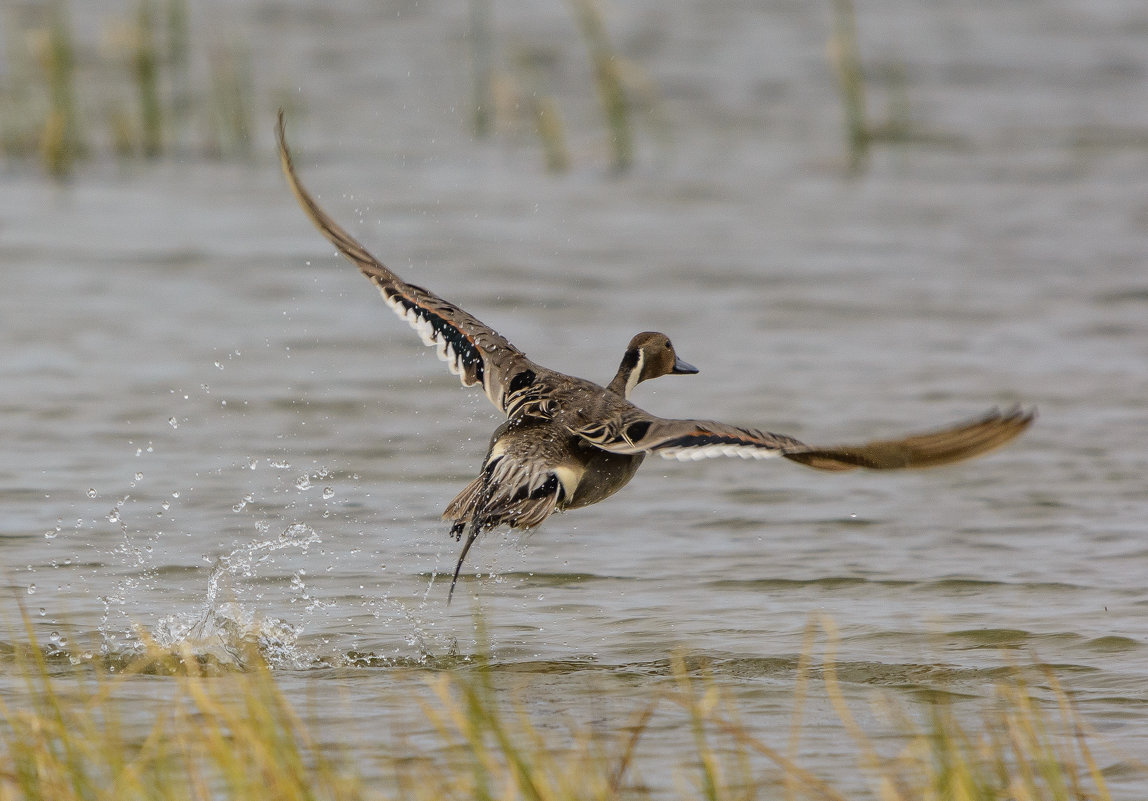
(686, 440)
(473, 351)
(944, 446)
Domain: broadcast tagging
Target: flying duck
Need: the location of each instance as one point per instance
(568, 442)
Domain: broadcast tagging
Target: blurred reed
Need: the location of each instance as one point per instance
(482, 66)
(526, 91)
(222, 730)
(47, 113)
(536, 67)
(862, 132)
(608, 79)
(146, 66)
(60, 143)
(845, 56)
(231, 100)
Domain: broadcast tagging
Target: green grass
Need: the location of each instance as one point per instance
(222, 733)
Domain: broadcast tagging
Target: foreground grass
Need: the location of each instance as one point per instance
(235, 736)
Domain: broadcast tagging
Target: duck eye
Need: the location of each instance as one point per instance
(668, 345)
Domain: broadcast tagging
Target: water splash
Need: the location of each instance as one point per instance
(262, 594)
(225, 628)
(225, 632)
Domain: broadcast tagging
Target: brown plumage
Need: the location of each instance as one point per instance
(568, 442)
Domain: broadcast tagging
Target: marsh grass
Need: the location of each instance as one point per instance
(524, 93)
(846, 59)
(608, 78)
(146, 66)
(60, 143)
(221, 732)
(231, 101)
(482, 66)
(535, 66)
(54, 93)
(862, 132)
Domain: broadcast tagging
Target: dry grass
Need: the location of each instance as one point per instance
(233, 735)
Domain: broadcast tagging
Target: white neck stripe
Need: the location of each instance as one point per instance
(636, 374)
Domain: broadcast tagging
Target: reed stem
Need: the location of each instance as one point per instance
(608, 77)
(146, 64)
(482, 57)
(846, 59)
(60, 143)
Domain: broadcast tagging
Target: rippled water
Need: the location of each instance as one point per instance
(213, 428)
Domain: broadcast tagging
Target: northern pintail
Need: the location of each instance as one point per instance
(568, 442)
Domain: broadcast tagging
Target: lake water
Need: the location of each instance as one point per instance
(209, 418)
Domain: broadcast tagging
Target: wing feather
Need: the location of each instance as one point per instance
(943, 446)
(687, 440)
(472, 350)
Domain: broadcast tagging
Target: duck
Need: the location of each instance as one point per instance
(568, 442)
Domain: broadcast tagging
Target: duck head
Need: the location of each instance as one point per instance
(649, 355)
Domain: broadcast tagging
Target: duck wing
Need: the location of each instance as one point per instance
(636, 431)
(472, 350)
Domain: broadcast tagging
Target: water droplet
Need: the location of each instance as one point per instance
(43, 611)
(303, 482)
(171, 421)
(51, 533)
(92, 493)
(251, 465)
(114, 516)
(280, 464)
(175, 494)
(165, 505)
(139, 476)
(220, 366)
(31, 589)
(328, 493)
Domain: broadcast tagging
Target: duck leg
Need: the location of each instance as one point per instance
(456, 530)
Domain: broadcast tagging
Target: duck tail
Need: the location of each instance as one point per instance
(462, 509)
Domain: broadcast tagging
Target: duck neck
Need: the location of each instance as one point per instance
(629, 373)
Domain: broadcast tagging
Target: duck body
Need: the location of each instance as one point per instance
(582, 473)
(568, 442)
(535, 466)
(533, 469)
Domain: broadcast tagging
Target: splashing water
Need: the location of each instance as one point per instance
(224, 629)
